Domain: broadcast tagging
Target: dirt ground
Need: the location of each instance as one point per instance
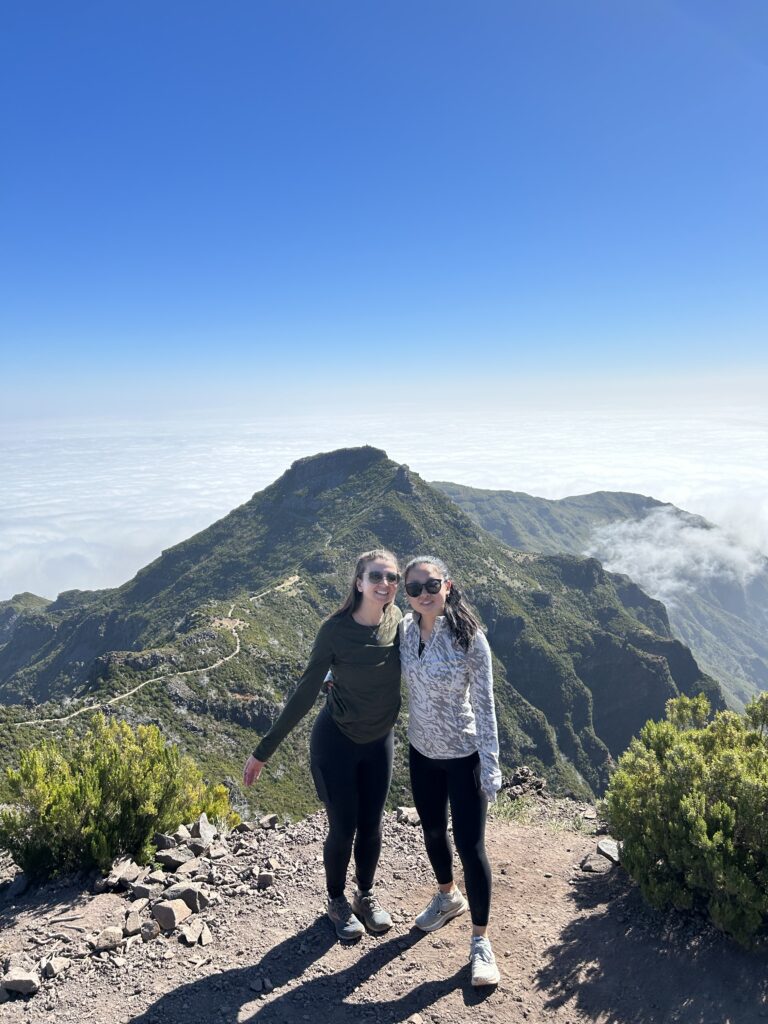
(572, 947)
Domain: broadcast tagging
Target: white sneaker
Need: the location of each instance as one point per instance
(442, 907)
(484, 968)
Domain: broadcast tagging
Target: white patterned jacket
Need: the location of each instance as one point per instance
(450, 698)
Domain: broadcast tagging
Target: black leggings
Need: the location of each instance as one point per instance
(352, 779)
(436, 782)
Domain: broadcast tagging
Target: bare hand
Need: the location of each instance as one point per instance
(252, 770)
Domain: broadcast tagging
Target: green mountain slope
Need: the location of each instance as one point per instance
(722, 617)
(212, 635)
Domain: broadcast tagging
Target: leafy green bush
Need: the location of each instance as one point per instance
(81, 803)
(689, 801)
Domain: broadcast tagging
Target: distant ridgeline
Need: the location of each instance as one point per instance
(723, 621)
(211, 636)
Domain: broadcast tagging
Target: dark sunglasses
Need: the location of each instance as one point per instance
(376, 576)
(414, 588)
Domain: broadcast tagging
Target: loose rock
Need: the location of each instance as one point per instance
(169, 914)
(108, 938)
(609, 848)
(149, 931)
(190, 892)
(408, 815)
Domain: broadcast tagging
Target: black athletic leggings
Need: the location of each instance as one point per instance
(352, 779)
(435, 782)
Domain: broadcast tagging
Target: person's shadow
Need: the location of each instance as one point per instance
(221, 996)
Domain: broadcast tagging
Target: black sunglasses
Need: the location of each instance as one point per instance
(376, 576)
(414, 588)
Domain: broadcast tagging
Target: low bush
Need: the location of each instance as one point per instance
(689, 801)
(79, 803)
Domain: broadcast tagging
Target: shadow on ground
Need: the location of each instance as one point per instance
(222, 996)
(629, 964)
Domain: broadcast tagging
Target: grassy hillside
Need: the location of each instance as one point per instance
(216, 630)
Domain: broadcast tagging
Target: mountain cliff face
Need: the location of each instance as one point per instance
(212, 635)
(722, 618)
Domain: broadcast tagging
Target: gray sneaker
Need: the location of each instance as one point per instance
(344, 921)
(484, 968)
(442, 907)
(367, 906)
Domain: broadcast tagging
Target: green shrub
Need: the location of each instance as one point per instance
(689, 800)
(81, 803)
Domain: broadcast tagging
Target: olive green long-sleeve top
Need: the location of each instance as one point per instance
(364, 700)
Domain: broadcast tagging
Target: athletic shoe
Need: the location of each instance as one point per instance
(442, 907)
(484, 969)
(344, 921)
(367, 906)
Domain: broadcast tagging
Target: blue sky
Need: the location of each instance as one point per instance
(259, 203)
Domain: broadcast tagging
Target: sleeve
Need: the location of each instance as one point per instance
(303, 697)
(484, 707)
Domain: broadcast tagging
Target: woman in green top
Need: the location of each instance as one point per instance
(352, 738)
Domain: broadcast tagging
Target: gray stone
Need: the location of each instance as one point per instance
(149, 931)
(266, 879)
(269, 821)
(190, 892)
(191, 867)
(163, 841)
(108, 938)
(182, 834)
(156, 878)
(144, 891)
(204, 830)
(609, 848)
(123, 872)
(140, 904)
(132, 924)
(55, 966)
(191, 932)
(18, 980)
(205, 936)
(408, 816)
(169, 914)
(596, 864)
(174, 859)
(244, 826)
(216, 852)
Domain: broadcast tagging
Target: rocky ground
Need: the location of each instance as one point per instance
(242, 936)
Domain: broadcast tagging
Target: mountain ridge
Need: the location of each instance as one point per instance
(573, 644)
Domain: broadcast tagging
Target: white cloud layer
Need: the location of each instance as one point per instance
(669, 555)
(86, 507)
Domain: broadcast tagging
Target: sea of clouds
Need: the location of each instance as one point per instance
(671, 555)
(85, 506)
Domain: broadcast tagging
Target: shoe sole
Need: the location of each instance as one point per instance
(443, 920)
(485, 983)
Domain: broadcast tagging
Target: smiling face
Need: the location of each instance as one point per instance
(426, 603)
(377, 592)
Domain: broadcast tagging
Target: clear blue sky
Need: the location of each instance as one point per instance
(262, 197)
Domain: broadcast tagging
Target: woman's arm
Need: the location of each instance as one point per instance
(303, 697)
(480, 669)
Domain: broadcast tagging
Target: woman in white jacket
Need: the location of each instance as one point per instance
(454, 748)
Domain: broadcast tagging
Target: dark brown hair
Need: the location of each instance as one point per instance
(461, 619)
